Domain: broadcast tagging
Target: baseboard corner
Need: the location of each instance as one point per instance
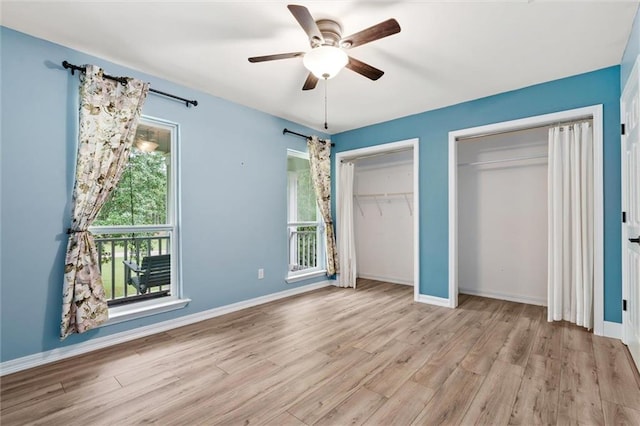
(434, 300)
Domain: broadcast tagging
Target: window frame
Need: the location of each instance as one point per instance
(320, 269)
(133, 310)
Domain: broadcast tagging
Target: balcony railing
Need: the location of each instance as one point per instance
(304, 245)
(113, 249)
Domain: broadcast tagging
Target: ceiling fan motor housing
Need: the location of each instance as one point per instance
(331, 31)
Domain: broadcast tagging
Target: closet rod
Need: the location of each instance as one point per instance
(540, 126)
(502, 160)
(346, 160)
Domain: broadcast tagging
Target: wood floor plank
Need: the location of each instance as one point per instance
(230, 397)
(429, 321)
(347, 338)
(519, 342)
(381, 336)
(336, 356)
(617, 415)
(536, 402)
(327, 396)
(509, 311)
(81, 406)
(484, 352)
(416, 356)
(548, 340)
(354, 410)
(284, 419)
(403, 406)
(31, 396)
(449, 405)
(615, 374)
(390, 379)
(574, 338)
(262, 407)
(493, 402)
(579, 400)
(439, 367)
(94, 369)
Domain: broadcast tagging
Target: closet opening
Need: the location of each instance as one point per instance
(502, 216)
(377, 214)
(502, 205)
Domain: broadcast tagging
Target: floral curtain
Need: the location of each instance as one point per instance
(109, 114)
(320, 165)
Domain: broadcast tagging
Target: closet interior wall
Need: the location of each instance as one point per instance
(502, 216)
(383, 221)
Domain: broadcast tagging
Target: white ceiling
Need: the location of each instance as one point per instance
(446, 53)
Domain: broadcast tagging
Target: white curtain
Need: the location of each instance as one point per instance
(346, 234)
(571, 228)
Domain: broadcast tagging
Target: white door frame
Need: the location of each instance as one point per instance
(595, 112)
(381, 149)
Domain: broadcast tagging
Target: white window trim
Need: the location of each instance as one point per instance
(135, 310)
(306, 275)
(131, 311)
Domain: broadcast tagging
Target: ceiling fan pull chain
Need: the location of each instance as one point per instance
(326, 82)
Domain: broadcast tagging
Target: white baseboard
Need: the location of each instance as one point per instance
(502, 296)
(433, 300)
(613, 330)
(391, 280)
(53, 355)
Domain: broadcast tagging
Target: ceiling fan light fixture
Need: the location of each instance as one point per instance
(325, 61)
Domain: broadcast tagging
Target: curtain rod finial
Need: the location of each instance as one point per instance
(66, 65)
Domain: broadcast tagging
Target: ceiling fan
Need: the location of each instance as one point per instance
(327, 55)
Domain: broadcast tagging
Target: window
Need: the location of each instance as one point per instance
(304, 222)
(135, 231)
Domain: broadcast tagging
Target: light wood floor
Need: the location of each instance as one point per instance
(337, 357)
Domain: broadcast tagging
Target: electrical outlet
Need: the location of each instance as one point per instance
(260, 273)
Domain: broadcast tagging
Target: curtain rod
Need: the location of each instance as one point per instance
(285, 131)
(123, 80)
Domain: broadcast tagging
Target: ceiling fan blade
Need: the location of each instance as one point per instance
(311, 82)
(306, 21)
(276, 57)
(381, 30)
(364, 69)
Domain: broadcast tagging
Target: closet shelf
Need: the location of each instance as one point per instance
(377, 196)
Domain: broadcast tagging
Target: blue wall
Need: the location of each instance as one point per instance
(432, 127)
(233, 180)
